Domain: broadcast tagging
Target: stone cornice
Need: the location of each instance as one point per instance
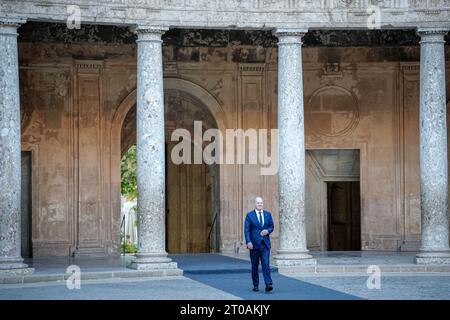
(411, 67)
(8, 25)
(88, 64)
(237, 14)
(252, 68)
(11, 21)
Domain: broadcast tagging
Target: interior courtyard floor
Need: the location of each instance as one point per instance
(225, 277)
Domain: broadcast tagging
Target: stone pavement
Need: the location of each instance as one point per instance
(54, 269)
(169, 288)
(359, 261)
(236, 286)
(216, 276)
(393, 286)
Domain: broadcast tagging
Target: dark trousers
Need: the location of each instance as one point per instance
(261, 253)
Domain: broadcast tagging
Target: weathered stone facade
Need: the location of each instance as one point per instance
(381, 121)
(361, 92)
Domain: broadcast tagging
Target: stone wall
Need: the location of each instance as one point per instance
(75, 97)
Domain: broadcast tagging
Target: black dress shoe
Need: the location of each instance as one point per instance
(255, 289)
(269, 288)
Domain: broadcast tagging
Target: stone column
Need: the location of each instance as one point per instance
(433, 149)
(291, 145)
(11, 262)
(151, 154)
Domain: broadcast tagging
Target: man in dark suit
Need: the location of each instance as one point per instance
(258, 227)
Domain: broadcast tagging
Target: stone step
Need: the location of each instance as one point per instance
(35, 278)
(318, 269)
(394, 268)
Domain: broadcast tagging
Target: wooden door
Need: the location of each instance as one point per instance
(188, 207)
(344, 216)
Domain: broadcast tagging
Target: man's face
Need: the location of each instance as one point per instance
(259, 204)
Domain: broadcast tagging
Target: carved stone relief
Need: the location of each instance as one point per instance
(332, 111)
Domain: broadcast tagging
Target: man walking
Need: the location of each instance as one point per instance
(258, 227)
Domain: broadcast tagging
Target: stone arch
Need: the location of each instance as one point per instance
(118, 120)
(175, 84)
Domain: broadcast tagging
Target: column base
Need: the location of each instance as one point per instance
(155, 262)
(429, 257)
(14, 267)
(294, 259)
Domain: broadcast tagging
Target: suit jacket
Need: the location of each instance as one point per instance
(253, 228)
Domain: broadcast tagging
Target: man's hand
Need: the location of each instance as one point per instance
(264, 232)
(250, 246)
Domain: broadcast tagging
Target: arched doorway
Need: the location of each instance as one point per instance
(192, 190)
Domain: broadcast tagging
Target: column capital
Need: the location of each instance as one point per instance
(289, 35)
(9, 25)
(432, 34)
(150, 33)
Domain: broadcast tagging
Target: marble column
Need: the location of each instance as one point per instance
(11, 262)
(291, 145)
(433, 149)
(151, 154)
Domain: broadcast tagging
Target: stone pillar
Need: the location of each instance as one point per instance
(433, 149)
(11, 262)
(151, 154)
(291, 145)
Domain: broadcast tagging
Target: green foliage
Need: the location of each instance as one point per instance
(128, 185)
(136, 222)
(129, 248)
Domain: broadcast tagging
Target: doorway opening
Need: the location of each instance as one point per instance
(344, 215)
(192, 190)
(191, 220)
(26, 238)
(333, 209)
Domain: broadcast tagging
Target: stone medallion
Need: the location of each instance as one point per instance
(332, 111)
